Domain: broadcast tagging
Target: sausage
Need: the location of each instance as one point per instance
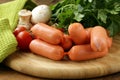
(109, 40)
(85, 52)
(47, 33)
(88, 31)
(66, 43)
(98, 39)
(54, 52)
(77, 33)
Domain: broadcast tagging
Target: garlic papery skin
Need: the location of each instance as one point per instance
(24, 18)
(41, 14)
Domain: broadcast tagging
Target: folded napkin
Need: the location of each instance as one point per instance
(8, 22)
(8, 41)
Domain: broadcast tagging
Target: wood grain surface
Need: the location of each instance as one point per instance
(66, 69)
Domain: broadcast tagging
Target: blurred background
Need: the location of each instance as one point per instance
(37, 1)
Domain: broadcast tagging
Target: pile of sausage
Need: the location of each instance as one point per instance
(79, 44)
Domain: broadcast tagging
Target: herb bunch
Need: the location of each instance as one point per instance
(90, 13)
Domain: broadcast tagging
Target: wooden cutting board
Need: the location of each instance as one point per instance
(31, 64)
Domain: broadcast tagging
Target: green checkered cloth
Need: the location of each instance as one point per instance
(8, 22)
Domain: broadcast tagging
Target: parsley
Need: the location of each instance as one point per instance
(88, 12)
